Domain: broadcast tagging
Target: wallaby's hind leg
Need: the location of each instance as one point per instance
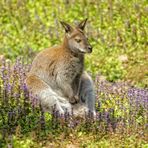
(86, 92)
(47, 96)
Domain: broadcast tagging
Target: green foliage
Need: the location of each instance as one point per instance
(23, 143)
(113, 69)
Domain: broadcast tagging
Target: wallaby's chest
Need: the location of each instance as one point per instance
(71, 67)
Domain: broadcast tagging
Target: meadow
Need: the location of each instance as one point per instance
(117, 31)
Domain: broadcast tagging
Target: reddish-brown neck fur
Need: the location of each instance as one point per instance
(65, 43)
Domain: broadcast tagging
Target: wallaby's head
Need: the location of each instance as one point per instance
(76, 38)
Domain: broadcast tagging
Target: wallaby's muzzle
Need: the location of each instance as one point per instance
(89, 49)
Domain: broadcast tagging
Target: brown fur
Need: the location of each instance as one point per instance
(58, 70)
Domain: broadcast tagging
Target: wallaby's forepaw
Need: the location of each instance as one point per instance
(74, 100)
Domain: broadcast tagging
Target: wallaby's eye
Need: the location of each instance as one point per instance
(78, 40)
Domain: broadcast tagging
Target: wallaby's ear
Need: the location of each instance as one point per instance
(67, 27)
(82, 24)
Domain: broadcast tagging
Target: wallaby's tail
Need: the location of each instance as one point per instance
(47, 95)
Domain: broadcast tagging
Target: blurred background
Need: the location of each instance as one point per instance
(117, 30)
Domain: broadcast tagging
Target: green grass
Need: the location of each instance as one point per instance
(83, 140)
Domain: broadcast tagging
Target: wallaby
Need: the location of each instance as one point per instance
(57, 74)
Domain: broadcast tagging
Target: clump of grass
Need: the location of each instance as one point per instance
(120, 109)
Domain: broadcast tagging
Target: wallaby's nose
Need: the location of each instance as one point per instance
(90, 48)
